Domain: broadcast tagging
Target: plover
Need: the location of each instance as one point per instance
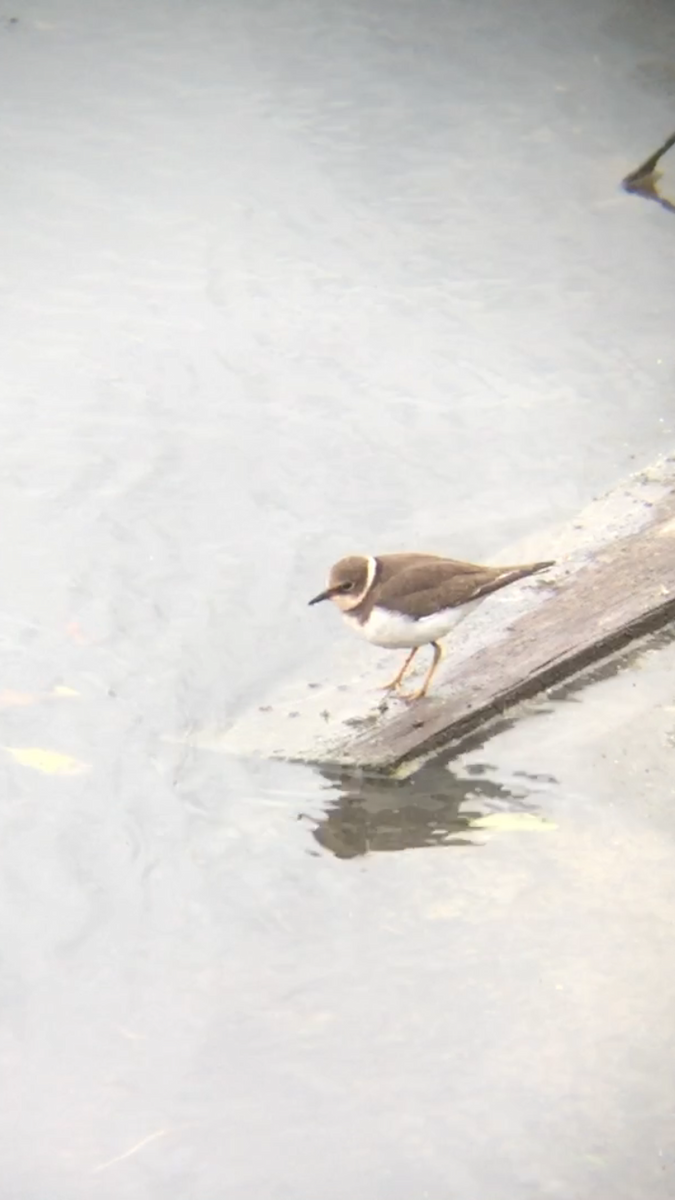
(404, 601)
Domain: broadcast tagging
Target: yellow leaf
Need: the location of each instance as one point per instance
(62, 690)
(514, 822)
(50, 762)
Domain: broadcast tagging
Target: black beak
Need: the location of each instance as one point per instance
(324, 595)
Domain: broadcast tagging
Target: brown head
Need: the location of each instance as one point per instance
(349, 581)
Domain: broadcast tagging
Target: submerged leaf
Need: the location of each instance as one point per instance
(514, 822)
(50, 762)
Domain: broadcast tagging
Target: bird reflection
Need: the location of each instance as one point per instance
(375, 815)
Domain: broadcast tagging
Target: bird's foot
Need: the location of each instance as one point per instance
(411, 697)
(392, 686)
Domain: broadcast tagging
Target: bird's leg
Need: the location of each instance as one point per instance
(396, 681)
(438, 653)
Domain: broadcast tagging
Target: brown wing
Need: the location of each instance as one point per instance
(424, 584)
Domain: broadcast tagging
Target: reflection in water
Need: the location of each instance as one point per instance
(377, 814)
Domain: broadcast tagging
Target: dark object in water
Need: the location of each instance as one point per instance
(644, 178)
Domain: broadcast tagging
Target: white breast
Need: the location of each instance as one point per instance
(398, 632)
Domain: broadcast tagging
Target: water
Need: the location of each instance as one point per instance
(279, 282)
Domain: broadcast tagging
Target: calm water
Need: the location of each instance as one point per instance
(280, 281)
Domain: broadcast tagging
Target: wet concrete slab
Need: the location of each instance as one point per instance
(280, 282)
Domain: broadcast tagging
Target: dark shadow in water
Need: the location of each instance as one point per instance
(644, 179)
(375, 814)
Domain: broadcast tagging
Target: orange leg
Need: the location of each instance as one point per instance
(438, 653)
(396, 681)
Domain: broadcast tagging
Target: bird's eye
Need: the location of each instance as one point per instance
(347, 587)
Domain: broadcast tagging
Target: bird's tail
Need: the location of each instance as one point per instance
(511, 574)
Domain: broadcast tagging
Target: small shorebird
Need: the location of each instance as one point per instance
(404, 601)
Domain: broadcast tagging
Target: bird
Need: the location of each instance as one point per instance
(405, 601)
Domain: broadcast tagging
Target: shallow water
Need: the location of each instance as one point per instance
(279, 282)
